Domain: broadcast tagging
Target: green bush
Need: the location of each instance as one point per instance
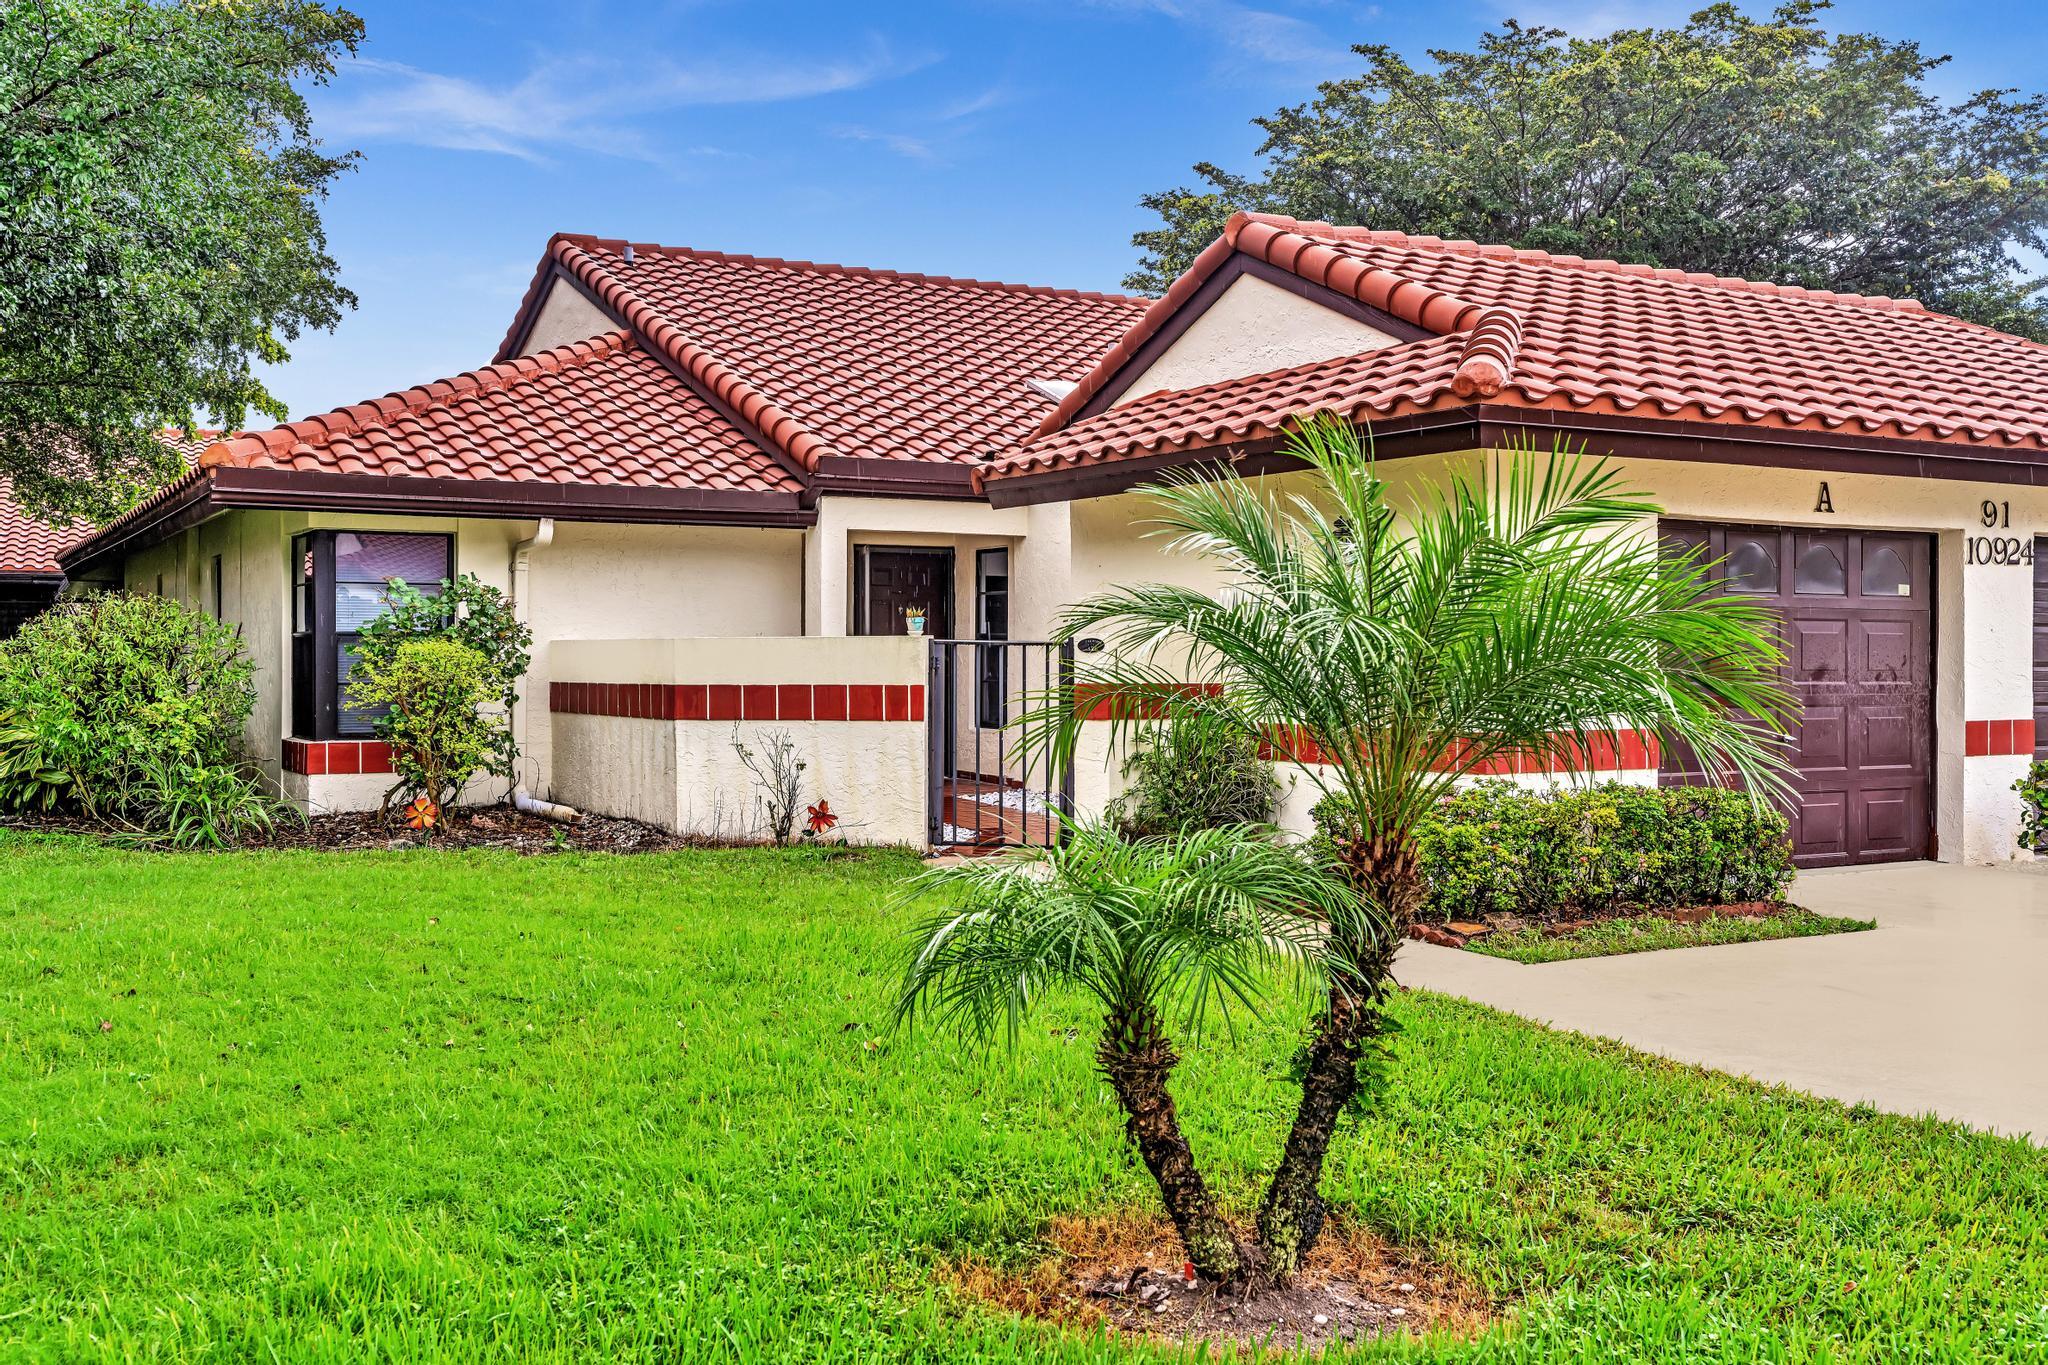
(1497, 849)
(1188, 775)
(101, 690)
(202, 805)
(2033, 790)
(439, 732)
(470, 613)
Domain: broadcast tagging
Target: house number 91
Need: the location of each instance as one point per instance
(1997, 516)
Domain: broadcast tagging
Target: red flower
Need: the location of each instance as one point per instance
(822, 817)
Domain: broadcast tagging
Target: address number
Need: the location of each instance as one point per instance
(1998, 550)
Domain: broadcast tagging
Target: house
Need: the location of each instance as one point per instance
(30, 577)
(716, 485)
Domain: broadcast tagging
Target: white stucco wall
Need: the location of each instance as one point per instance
(687, 775)
(565, 315)
(1252, 328)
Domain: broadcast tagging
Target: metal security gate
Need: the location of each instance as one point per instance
(986, 790)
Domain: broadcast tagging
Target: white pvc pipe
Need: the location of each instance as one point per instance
(524, 800)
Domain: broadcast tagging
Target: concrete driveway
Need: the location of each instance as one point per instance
(1943, 1008)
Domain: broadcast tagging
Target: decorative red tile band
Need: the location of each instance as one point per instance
(1600, 751)
(734, 701)
(1989, 738)
(333, 757)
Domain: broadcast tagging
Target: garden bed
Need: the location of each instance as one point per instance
(1126, 1271)
(1632, 929)
(492, 827)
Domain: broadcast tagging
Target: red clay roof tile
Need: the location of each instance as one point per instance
(1558, 332)
(29, 546)
(843, 360)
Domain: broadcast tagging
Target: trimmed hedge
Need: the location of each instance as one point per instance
(1497, 849)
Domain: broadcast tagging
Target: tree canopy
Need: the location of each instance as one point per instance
(1764, 148)
(160, 232)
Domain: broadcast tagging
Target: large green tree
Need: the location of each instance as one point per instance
(160, 231)
(1763, 148)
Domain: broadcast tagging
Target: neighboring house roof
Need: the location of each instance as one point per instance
(1557, 334)
(832, 361)
(29, 547)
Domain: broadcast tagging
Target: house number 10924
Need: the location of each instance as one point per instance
(1997, 516)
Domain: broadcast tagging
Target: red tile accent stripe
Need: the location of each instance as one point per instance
(1997, 738)
(1605, 751)
(740, 701)
(336, 757)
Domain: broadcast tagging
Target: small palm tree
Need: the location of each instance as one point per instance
(1160, 931)
(1517, 603)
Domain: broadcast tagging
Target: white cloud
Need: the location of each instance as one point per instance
(1253, 37)
(904, 145)
(580, 103)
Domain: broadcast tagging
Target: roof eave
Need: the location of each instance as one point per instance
(1493, 426)
(227, 488)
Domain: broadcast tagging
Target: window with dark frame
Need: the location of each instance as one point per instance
(992, 622)
(217, 614)
(339, 585)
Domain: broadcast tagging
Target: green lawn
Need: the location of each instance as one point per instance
(1646, 933)
(416, 1106)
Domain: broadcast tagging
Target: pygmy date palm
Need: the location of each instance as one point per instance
(1160, 932)
(1520, 605)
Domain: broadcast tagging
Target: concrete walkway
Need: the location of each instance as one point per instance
(1942, 1009)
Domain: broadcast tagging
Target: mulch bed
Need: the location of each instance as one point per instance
(477, 827)
(1458, 933)
(1127, 1271)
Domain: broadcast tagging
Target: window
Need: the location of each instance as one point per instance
(338, 586)
(992, 622)
(217, 614)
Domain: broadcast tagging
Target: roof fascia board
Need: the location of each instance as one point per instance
(1495, 426)
(1233, 268)
(230, 488)
(871, 477)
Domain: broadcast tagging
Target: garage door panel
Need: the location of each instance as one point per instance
(1856, 614)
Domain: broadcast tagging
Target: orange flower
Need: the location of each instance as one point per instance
(822, 817)
(422, 813)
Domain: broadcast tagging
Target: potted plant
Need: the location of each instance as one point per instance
(913, 620)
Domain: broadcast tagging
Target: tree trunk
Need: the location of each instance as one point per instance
(1291, 1214)
(1136, 1057)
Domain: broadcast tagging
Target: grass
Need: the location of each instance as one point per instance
(423, 1106)
(1647, 933)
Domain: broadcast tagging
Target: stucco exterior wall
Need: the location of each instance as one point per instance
(682, 769)
(565, 316)
(1253, 327)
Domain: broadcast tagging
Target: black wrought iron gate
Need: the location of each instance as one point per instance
(986, 788)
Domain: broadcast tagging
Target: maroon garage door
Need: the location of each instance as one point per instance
(1859, 630)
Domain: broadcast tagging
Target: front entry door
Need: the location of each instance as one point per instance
(1857, 608)
(890, 579)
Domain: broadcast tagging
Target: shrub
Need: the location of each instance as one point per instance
(1496, 849)
(470, 613)
(200, 805)
(101, 690)
(1189, 776)
(2033, 790)
(439, 732)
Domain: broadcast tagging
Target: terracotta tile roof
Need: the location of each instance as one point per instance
(29, 546)
(1561, 333)
(829, 360)
(601, 411)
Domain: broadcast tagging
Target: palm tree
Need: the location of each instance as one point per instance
(1518, 606)
(1160, 931)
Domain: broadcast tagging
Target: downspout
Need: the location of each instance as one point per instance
(542, 537)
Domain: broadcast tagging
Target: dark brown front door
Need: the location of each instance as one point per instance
(1857, 608)
(890, 580)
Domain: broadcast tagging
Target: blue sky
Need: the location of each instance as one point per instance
(1002, 139)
